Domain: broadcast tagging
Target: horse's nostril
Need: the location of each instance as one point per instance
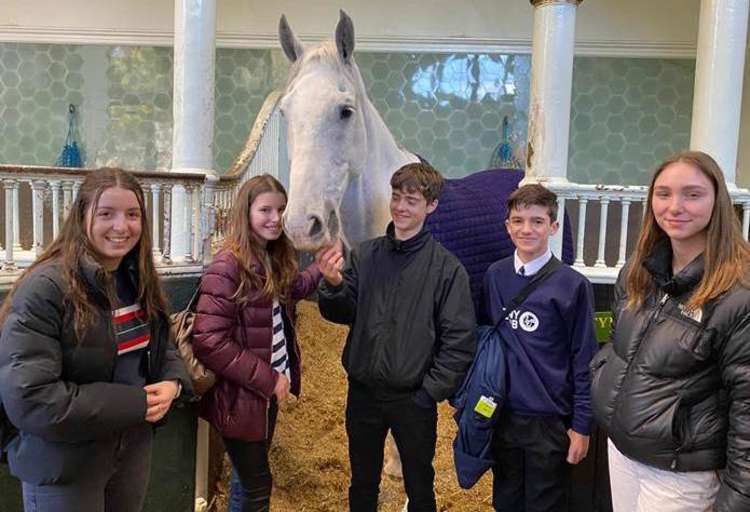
(316, 226)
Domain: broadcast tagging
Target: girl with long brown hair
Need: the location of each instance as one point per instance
(86, 365)
(244, 332)
(673, 387)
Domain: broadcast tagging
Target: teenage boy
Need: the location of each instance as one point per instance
(549, 340)
(408, 302)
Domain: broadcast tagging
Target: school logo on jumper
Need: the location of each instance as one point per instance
(527, 321)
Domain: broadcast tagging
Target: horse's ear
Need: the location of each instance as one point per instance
(289, 42)
(345, 37)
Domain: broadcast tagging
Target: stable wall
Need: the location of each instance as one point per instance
(664, 31)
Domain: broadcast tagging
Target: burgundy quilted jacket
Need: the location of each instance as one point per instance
(237, 405)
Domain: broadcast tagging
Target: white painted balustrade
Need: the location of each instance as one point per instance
(606, 231)
(38, 199)
(605, 219)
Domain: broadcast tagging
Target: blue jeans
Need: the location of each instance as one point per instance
(120, 485)
(237, 495)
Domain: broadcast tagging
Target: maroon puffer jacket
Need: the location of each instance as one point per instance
(237, 405)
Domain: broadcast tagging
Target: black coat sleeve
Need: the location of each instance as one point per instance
(734, 360)
(34, 394)
(456, 336)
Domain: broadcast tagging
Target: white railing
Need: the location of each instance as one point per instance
(606, 222)
(264, 153)
(36, 200)
(605, 219)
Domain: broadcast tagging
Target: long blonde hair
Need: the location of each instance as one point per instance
(277, 258)
(73, 244)
(726, 256)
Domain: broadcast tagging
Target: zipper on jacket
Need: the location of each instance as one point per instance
(646, 330)
(268, 409)
(111, 328)
(293, 330)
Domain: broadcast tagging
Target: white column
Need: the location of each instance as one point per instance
(9, 185)
(16, 217)
(38, 187)
(193, 104)
(553, 47)
(719, 67)
(155, 220)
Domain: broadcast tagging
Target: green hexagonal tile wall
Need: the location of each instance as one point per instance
(627, 114)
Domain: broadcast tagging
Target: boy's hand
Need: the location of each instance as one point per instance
(330, 260)
(579, 447)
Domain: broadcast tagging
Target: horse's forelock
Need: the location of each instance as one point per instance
(326, 53)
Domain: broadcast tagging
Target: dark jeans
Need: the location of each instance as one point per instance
(251, 474)
(530, 472)
(414, 429)
(120, 485)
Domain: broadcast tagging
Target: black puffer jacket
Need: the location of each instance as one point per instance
(409, 305)
(673, 387)
(58, 390)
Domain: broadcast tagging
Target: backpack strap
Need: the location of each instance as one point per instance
(548, 268)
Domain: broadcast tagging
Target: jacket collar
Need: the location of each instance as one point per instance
(94, 273)
(413, 244)
(659, 265)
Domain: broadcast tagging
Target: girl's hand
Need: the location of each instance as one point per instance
(281, 390)
(159, 399)
(330, 260)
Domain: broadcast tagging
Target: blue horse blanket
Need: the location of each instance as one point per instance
(470, 222)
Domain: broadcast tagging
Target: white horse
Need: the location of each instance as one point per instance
(335, 135)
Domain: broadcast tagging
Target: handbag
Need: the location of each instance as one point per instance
(182, 328)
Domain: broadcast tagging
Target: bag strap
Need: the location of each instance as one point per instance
(544, 272)
(193, 298)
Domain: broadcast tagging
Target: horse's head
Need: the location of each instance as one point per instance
(323, 109)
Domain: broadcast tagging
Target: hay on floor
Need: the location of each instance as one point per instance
(309, 454)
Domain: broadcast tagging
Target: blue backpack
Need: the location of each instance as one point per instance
(480, 398)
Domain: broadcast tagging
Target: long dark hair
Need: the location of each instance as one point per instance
(277, 258)
(73, 244)
(726, 256)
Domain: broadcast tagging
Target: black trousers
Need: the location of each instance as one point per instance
(121, 472)
(250, 463)
(414, 429)
(530, 472)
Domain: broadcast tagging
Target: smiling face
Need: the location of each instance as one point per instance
(530, 227)
(114, 225)
(266, 213)
(682, 201)
(409, 209)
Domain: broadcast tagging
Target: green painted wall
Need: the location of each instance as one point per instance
(627, 114)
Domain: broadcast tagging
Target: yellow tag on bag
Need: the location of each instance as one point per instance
(485, 406)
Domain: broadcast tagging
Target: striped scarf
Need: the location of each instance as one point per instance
(279, 356)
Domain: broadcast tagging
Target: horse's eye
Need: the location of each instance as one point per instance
(346, 112)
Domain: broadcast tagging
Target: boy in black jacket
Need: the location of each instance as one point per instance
(408, 302)
(549, 341)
